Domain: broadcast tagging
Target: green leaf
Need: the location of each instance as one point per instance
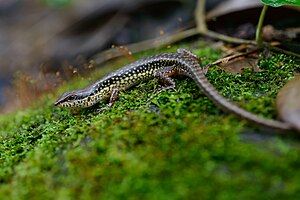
(277, 3)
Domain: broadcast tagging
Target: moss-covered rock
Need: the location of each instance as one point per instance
(178, 145)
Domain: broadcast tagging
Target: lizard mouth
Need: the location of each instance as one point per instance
(58, 102)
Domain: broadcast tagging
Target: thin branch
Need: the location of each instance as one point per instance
(227, 38)
(200, 16)
(277, 49)
(144, 45)
(169, 39)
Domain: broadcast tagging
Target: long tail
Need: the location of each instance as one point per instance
(202, 82)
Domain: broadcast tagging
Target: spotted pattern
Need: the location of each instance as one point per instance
(126, 77)
(158, 66)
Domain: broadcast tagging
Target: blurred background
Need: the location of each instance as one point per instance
(42, 35)
(40, 38)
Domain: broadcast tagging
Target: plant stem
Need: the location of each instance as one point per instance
(259, 26)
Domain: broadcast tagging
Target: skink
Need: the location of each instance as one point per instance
(161, 66)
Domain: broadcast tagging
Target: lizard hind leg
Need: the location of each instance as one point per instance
(163, 75)
(189, 53)
(195, 57)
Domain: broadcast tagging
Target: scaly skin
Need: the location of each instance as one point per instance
(160, 66)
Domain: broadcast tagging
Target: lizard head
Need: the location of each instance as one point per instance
(74, 98)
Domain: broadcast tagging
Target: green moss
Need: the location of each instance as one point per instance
(178, 145)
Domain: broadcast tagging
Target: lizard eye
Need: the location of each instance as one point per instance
(71, 97)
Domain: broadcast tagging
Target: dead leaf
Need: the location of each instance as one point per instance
(238, 65)
(288, 103)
